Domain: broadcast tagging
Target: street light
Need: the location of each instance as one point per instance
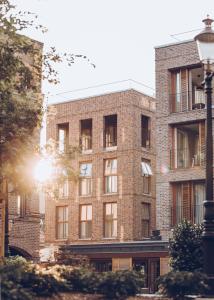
(205, 44)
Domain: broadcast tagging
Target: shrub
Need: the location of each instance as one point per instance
(179, 284)
(121, 284)
(21, 280)
(82, 279)
(185, 247)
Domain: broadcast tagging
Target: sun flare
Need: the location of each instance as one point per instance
(43, 170)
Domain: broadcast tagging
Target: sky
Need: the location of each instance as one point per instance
(118, 36)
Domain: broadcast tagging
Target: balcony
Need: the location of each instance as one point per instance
(184, 158)
(193, 213)
(187, 101)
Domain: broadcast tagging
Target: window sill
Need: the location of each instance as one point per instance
(61, 240)
(84, 239)
(110, 148)
(111, 194)
(87, 151)
(110, 238)
(85, 196)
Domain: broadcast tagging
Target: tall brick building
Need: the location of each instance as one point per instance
(109, 214)
(180, 135)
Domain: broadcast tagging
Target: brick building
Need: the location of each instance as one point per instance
(180, 135)
(109, 214)
(24, 209)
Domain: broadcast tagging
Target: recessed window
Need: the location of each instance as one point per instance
(86, 134)
(85, 221)
(63, 135)
(145, 131)
(110, 176)
(62, 222)
(110, 131)
(85, 179)
(110, 220)
(145, 220)
(63, 189)
(146, 172)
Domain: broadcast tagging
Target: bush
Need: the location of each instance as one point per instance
(179, 284)
(21, 280)
(121, 284)
(82, 280)
(185, 247)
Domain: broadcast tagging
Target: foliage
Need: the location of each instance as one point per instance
(121, 284)
(22, 281)
(185, 247)
(21, 101)
(82, 280)
(179, 284)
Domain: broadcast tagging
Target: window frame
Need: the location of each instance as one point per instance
(112, 221)
(86, 221)
(110, 176)
(146, 220)
(147, 175)
(87, 179)
(64, 222)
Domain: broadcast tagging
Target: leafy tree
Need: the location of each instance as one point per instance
(185, 247)
(21, 102)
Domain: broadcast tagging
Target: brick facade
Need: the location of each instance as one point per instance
(182, 57)
(129, 106)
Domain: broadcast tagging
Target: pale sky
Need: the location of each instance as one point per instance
(118, 36)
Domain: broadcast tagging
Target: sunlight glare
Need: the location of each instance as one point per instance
(43, 170)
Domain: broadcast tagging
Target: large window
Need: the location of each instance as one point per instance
(86, 134)
(146, 172)
(145, 220)
(188, 200)
(85, 179)
(85, 221)
(110, 131)
(110, 174)
(145, 131)
(63, 135)
(189, 142)
(62, 222)
(110, 220)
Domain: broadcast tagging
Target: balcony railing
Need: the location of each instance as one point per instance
(187, 101)
(193, 213)
(185, 158)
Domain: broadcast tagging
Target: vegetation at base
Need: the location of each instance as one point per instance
(22, 280)
(186, 261)
(185, 247)
(178, 284)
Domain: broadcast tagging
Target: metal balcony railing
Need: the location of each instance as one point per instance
(186, 158)
(187, 101)
(193, 213)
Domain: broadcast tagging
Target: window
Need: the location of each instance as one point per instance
(145, 131)
(61, 222)
(145, 219)
(146, 172)
(188, 198)
(110, 131)
(110, 220)
(85, 180)
(85, 221)
(63, 130)
(121, 264)
(199, 197)
(63, 189)
(21, 205)
(86, 134)
(110, 174)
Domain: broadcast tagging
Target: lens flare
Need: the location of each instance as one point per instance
(43, 171)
